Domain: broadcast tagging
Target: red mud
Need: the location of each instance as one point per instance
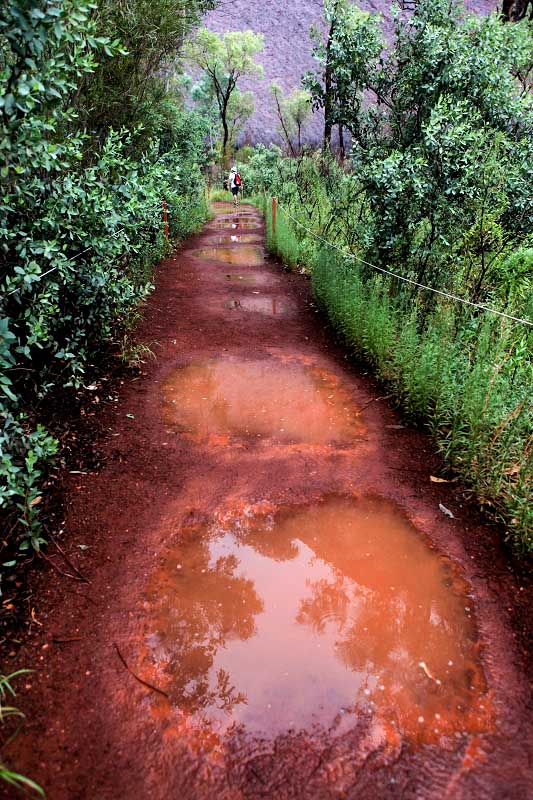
(268, 554)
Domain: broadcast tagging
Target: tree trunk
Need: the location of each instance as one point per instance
(225, 140)
(342, 150)
(283, 125)
(328, 100)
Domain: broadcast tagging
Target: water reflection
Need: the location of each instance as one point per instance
(245, 254)
(285, 401)
(252, 278)
(233, 238)
(290, 620)
(248, 224)
(193, 623)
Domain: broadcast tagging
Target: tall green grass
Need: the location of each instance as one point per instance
(461, 375)
(18, 782)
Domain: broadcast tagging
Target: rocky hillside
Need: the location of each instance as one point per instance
(287, 55)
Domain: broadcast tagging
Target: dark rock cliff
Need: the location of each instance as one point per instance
(287, 55)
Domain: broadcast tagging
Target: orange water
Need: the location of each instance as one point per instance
(315, 616)
(273, 306)
(288, 402)
(245, 254)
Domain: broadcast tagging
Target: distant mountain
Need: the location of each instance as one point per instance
(285, 26)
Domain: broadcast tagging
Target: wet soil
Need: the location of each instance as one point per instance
(278, 608)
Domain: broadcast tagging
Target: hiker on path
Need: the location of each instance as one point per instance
(234, 184)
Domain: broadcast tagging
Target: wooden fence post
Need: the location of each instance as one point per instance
(274, 214)
(165, 219)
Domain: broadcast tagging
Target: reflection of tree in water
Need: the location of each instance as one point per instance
(385, 634)
(200, 604)
(267, 537)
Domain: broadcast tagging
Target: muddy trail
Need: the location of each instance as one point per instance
(278, 607)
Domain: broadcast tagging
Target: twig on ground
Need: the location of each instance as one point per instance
(69, 562)
(83, 596)
(144, 683)
(374, 400)
(58, 569)
(67, 641)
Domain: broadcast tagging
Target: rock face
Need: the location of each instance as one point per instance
(287, 53)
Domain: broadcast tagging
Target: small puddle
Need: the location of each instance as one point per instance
(243, 225)
(316, 616)
(244, 255)
(273, 306)
(233, 238)
(288, 402)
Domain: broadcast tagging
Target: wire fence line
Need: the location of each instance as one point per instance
(402, 277)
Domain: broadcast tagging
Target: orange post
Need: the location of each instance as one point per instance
(274, 214)
(165, 219)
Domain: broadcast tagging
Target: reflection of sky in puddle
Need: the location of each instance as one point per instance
(234, 238)
(244, 255)
(287, 402)
(273, 306)
(246, 225)
(287, 621)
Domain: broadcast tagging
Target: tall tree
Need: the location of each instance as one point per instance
(133, 89)
(293, 111)
(345, 59)
(225, 59)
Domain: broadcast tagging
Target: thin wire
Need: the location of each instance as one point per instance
(402, 278)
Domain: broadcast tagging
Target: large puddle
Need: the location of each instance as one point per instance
(288, 402)
(272, 306)
(244, 255)
(315, 617)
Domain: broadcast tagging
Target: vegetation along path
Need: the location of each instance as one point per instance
(280, 604)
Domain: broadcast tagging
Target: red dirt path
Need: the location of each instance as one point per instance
(95, 732)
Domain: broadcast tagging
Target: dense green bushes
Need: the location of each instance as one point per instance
(81, 226)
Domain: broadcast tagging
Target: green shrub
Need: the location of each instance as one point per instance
(78, 235)
(467, 390)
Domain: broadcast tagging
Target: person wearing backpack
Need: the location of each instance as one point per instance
(234, 183)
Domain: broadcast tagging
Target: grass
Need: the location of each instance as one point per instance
(462, 376)
(14, 779)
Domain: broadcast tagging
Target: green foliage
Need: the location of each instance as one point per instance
(7, 712)
(262, 169)
(466, 375)
(138, 89)
(78, 236)
(293, 111)
(345, 60)
(224, 60)
(438, 191)
(466, 386)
